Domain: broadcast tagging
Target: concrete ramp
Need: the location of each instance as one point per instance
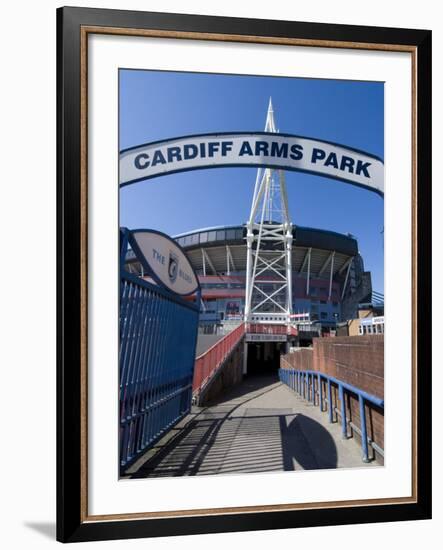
(259, 426)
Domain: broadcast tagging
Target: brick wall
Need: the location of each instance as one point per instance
(300, 359)
(357, 360)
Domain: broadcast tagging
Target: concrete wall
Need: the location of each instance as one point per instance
(357, 360)
(230, 374)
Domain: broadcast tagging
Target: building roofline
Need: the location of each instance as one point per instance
(242, 226)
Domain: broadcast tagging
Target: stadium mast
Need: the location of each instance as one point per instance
(269, 247)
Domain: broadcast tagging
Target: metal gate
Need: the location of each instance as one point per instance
(158, 334)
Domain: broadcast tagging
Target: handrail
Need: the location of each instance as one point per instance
(211, 360)
(303, 382)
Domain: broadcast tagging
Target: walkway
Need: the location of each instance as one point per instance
(259, 426)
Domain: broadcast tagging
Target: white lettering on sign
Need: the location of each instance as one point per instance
(251, 337)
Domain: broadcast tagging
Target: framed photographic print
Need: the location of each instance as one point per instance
(244, 252)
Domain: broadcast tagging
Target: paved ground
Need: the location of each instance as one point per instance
(260, 426)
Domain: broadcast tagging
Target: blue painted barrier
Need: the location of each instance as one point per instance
(158, 334)
(298, 381)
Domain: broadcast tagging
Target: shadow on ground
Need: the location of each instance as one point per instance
(317, 451)
(235, 436)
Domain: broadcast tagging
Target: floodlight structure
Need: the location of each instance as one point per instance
(269, 247)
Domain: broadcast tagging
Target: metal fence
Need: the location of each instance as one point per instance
(158, 334)
(312, 384)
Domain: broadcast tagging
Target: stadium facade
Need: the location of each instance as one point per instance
(328, 277)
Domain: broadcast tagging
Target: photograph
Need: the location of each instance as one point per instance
(251, 302)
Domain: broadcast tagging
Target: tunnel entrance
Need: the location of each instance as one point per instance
(264, 357)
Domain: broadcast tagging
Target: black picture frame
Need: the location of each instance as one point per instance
(72, 522)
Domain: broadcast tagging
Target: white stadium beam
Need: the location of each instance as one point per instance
(308, 275)
(325, 264)
(203, 262)
(208, 259)
(331, 274)
(346, 278)
(345, 265)
(230, 258)
(305, 260)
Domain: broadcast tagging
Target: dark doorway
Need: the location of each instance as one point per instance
(264, 357)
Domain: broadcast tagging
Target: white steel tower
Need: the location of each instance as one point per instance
(269, 247)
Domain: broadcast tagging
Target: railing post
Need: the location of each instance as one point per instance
(364, 435)
(344, 427)
(304, 383)
(331, 417)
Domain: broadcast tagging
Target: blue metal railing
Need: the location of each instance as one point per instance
(304, 383)
(158, 334)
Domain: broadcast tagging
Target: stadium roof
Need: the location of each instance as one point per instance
(303, 237)
(222, 249)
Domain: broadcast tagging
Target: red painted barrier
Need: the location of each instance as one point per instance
(209, 362)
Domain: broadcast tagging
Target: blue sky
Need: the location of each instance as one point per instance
(160, 105)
